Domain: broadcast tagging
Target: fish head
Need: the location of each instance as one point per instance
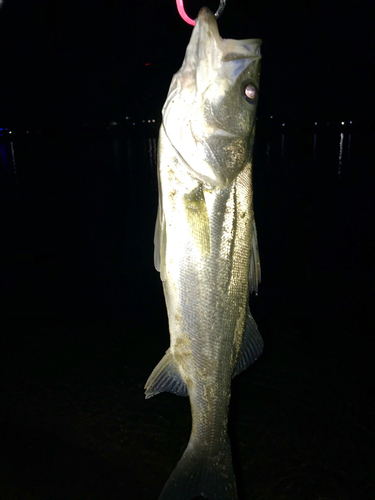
(209, 113)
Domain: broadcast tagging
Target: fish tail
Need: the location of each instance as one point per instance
(197, 473)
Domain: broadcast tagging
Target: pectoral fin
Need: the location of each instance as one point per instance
(197, 217)
(165, 378)
(252, 344)
(160, 238)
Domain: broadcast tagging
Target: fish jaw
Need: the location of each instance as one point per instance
(205, 111)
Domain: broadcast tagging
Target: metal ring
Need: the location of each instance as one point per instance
(186, 18)
(220, 9)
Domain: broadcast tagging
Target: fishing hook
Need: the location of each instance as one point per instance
(186, 18)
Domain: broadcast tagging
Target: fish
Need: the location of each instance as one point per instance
(206, 248)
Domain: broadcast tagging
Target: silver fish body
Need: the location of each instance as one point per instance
(206, 247)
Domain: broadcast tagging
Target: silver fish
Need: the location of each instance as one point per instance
(206, 247)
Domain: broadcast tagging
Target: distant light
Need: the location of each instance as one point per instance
(1, 129)
(148, 64)
(143, 121)
(283, 124)
(10, 131)
(27, 131)
(149, 121)
(342, 123)
(133, 123)
(153, 121)
(316, 123)
(341, 150)
(271, 116)
(127, 118)
(350, 122)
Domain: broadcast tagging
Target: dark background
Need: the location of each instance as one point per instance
(83, 314)
(75, 62)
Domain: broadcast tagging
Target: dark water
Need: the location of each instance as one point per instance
(84, 321)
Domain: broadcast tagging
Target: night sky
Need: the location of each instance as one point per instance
(85, 61)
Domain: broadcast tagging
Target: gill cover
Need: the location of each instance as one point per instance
(207, 116)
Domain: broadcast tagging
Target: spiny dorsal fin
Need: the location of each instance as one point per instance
(254, 271)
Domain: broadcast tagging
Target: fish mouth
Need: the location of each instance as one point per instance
(206, 19)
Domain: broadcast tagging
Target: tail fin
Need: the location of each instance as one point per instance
(199, 474)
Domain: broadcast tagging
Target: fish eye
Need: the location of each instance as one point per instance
(250, 93)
